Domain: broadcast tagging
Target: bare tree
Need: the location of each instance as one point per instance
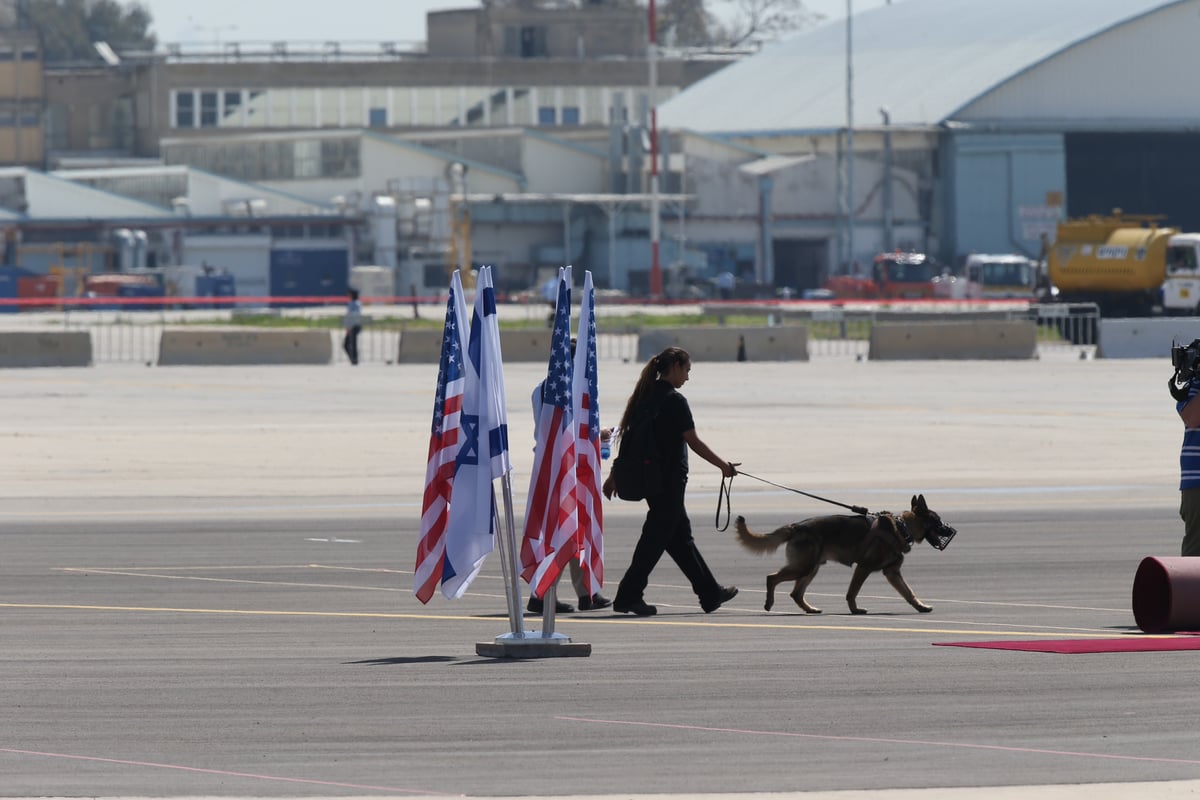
(760, 20)
(684, 22)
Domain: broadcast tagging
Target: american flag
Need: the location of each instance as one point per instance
(551, 516)
(444, 444)
(586, 408)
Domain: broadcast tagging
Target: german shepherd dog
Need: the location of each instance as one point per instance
(868, 543)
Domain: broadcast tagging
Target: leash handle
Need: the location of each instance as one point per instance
(725, 491)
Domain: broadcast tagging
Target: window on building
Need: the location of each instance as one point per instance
(570, 115)
(208, 109)
(255, 101)
(339, 158)
(306, 159)
(533, 42)
(547, 115)
(185, 110)
(276, 161)
(232, 112)
(476, 107)
(377, 118)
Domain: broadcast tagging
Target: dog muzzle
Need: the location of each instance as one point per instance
(940, 538)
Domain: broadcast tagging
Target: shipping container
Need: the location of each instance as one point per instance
(37, 286)
(312, 273)
(8, 287)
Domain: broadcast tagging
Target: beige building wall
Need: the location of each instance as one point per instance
(21, 99)
(590, 32)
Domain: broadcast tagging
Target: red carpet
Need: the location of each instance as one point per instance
(1125, 644)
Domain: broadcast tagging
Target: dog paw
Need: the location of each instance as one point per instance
(924, 609)
(858, 611)
(811, 609)
(767, 606)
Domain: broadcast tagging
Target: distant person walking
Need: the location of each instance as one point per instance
(353, 325)
(667, 528)
(725, 285)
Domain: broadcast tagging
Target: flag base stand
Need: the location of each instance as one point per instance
(531, 644)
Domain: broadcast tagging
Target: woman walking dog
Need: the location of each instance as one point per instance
(667, 527)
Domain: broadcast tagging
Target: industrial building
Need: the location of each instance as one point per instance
(941, 126)
(1006, 117)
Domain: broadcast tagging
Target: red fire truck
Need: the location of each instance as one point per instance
(893, 276)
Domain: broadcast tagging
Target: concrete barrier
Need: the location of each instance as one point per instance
(419, 347)
(239, 347)
(976, 340)
(425, 346)
(46, 349)
(530, 344)
(784, 343)
(1144, 338)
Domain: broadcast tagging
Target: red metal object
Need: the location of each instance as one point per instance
(39, 286)
(894, 276)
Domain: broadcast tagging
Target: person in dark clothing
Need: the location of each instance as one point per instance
(667, 528)
(352, 322)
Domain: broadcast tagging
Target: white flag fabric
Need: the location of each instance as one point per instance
(589, 472)
(483, 456)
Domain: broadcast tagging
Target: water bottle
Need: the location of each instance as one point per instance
(606, 447)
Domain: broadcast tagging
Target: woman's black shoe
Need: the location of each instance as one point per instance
(638, 607)
(594, 603)
(727, 593)
(535, 606)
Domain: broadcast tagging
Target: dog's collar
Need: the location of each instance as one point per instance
(902, 529)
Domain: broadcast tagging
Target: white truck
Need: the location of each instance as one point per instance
(991, 277)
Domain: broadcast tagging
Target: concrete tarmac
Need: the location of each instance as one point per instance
(206, 592)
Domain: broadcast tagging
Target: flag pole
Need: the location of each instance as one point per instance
(519, 643)
(507, 542)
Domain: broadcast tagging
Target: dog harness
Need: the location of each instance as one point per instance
(901, 539)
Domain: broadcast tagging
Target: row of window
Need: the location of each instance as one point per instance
(383, 107)
(27, 54)
(272, 161)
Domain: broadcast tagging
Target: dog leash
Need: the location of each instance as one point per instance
(723, 492)
(726, 492)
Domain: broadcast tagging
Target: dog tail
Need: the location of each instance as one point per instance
(762, 542)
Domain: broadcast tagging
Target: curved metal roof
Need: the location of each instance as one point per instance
(922, 60)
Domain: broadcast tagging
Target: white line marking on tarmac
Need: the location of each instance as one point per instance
(221, 772)
(1025, 629)
(581, 619)
(877, 740)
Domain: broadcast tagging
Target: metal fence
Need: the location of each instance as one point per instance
(134, 339)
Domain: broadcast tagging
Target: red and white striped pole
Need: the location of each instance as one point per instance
(656, 278)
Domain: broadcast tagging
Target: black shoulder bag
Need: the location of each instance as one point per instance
(637, 469)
